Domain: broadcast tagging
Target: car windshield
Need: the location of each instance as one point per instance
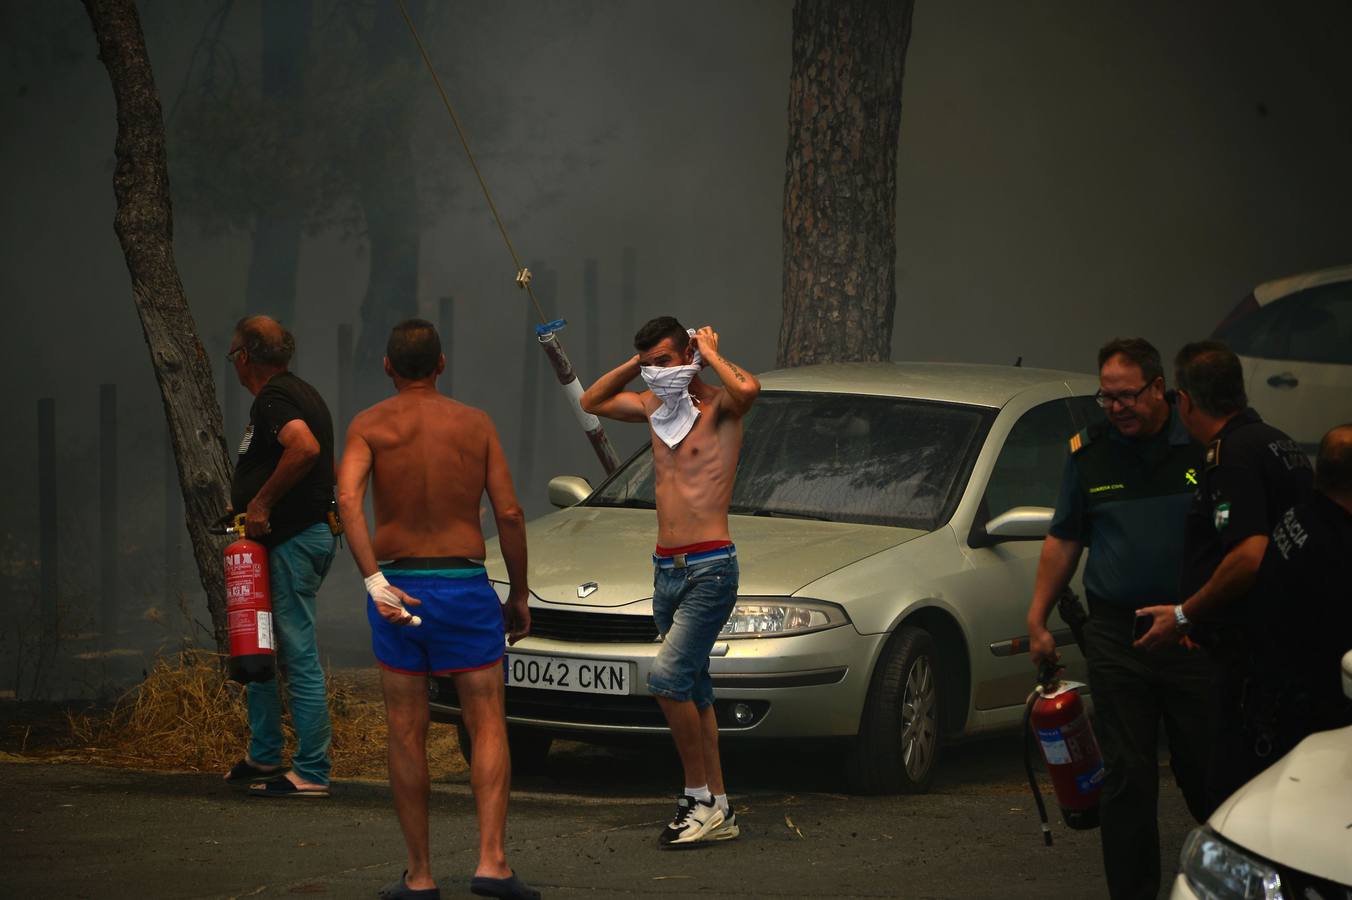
(839, 458)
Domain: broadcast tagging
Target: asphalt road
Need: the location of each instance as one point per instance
(587, 829)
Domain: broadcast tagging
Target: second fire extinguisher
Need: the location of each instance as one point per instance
(1056, 716)
(248, 606)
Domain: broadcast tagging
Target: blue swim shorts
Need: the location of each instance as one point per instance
(461, 615)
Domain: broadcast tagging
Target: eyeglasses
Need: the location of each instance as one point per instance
(230, 357)
(1126, 398)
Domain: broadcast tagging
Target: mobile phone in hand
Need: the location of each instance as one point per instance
(1141, 626)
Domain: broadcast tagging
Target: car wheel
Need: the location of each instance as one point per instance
(899, 734)
(528, 749)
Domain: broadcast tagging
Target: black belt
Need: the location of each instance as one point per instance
(1107, 609)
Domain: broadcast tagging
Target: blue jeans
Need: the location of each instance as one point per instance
(296, 569)
(690, 607)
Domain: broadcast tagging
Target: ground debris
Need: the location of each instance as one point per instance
(187, 716)
(792, 827)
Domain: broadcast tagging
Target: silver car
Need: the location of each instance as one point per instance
(888, 521)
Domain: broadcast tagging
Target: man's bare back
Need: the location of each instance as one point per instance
(430, 460)
(430, 467)
(694, 480)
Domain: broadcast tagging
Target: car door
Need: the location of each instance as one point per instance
(1297, 355)
(1027, 472)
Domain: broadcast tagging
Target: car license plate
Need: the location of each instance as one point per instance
(568, 673)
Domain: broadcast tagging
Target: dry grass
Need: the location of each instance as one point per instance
(187, 716)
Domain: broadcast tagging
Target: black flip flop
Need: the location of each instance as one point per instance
(282, 787)
(399, 890)
(246, 771)
(511, 888)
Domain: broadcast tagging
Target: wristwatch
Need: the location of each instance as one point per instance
(1183, 622)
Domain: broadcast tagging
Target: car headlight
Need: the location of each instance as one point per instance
(1218, 870)
(770, 617)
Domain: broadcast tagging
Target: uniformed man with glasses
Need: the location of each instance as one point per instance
(1124, 497)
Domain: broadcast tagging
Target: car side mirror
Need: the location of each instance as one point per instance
(1022, 523)
(1347, 674)
(568, 490)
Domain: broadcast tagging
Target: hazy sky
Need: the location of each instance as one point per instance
(1067, 172)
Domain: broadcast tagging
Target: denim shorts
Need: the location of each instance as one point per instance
(690, 607)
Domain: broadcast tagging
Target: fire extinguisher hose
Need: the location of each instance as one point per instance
(1028, 766)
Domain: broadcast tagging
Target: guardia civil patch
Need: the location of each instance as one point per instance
(1221, 517)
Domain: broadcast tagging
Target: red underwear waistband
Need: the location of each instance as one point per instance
(701, 547)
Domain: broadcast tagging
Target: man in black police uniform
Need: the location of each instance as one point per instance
(284, 484)
(1303, 611)
(1252, 475)
(1124, 496)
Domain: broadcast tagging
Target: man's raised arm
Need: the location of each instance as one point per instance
(607, 397)
(741, 387)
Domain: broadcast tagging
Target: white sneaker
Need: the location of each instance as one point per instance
(695, 819)
(727, 831)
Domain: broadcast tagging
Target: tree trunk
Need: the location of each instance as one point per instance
(145, 228)
(840, 184)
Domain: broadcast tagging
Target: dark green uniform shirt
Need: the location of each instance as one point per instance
(1126, 499)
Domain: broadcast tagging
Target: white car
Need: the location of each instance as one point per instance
(1286, 835)
(1294, 337)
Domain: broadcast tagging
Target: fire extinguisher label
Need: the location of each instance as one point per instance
(265, 631)
(1054, 748)
(1090, 781)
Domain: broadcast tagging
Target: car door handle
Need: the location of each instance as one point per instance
(1283, 380)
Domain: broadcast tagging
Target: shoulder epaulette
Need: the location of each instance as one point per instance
(1087, 436)
(1213, 454)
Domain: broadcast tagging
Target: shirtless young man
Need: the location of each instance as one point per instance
(431, 459)
(697, 435)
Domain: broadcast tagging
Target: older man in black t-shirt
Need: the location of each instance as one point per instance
(284, 483)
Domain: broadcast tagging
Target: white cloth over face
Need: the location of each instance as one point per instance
(673, 420)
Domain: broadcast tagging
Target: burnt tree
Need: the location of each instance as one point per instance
(840, 183)
(145, 228)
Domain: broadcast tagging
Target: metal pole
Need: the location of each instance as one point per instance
(628, 291)
(446, 324)
(47, 545)
(572, 388)
(108, 507)
(591, 305)
(345, 411)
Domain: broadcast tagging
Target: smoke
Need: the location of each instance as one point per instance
(1064, 177)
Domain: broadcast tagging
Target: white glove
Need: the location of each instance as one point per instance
(379, 589)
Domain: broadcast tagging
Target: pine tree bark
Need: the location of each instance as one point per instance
(840, 184)
(145, 227)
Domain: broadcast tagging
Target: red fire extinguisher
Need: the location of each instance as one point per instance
(1055, 714)
(248, 607)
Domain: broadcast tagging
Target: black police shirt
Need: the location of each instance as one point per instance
(281, 400)
(1252, 474)
(1303, 606)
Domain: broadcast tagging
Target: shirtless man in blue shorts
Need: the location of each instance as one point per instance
(430, 459)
